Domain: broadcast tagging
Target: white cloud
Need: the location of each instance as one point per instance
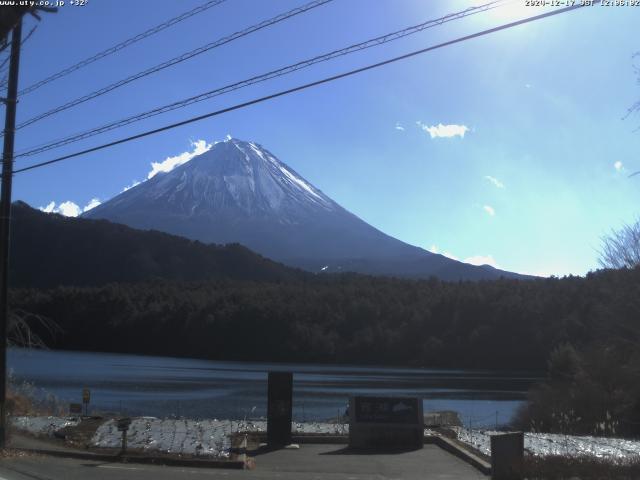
(444, 131)
(94, 202)
(133, 184)
(49, 208)
(489, 209)
(482, 260)
(434, 249)
(399, 127)
(199, 147)
(618, 166)
(527, 85)
(69, 208)
(495, 181)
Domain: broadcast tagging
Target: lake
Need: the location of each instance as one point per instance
(164, 386)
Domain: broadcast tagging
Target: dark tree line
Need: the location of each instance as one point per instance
(346, 318)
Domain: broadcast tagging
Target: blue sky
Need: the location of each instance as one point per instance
(509, 149)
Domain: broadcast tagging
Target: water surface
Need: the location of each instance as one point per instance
(165, 386)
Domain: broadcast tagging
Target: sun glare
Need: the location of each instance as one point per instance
(511, 10)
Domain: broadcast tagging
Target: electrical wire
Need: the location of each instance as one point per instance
(120, 46)
(4, 65)
(176, 60)
(307, 85)
(261, 78)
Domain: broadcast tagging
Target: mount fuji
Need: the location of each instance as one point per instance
(239, 192)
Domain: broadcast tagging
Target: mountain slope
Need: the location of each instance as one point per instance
(49, 250)
(240, 192)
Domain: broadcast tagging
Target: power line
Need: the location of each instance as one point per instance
(261, 78)
(4, 65)
(174, 61)
(307, 85)
(120, 46)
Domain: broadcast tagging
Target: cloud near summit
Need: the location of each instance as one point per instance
(169, 163)
(72, 209)
(69, 208)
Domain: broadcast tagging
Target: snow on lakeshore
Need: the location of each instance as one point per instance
(542, 444)
(211, 437)
(42, 425)
(193, 437)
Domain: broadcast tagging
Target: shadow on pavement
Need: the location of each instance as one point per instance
(370, 451)
(343, 450)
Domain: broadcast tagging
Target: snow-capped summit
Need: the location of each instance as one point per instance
(237, 176)
(240, 192)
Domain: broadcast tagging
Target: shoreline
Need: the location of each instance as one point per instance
(527, 372)
(212, 438)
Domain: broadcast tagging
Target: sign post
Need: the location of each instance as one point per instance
(279, 408)
(86, 398)
(123, 426)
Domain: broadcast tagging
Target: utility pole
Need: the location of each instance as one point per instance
(5, 217)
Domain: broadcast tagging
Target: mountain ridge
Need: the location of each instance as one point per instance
(49, 249)
(239, 192)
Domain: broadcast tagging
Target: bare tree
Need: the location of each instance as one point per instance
(21, 329)
(636, 106)
(621, 249)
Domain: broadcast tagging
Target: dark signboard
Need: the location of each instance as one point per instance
(279, 408)
(387, 410)
(123, 424)
(386, 422)
(75, 408)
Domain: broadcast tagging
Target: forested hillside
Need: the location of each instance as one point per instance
(347, 318)
(48, 250)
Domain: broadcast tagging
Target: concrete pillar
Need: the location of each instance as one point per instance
(279, 408)
(507, 456)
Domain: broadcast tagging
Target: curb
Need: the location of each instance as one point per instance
(248, 463)
(174, 462)
(451, 447)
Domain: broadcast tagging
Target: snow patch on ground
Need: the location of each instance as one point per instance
(212, 437)
(206, 437)
(192, 437)
(542, 444)
(42, 425)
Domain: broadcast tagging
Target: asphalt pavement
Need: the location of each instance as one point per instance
(310, 462)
